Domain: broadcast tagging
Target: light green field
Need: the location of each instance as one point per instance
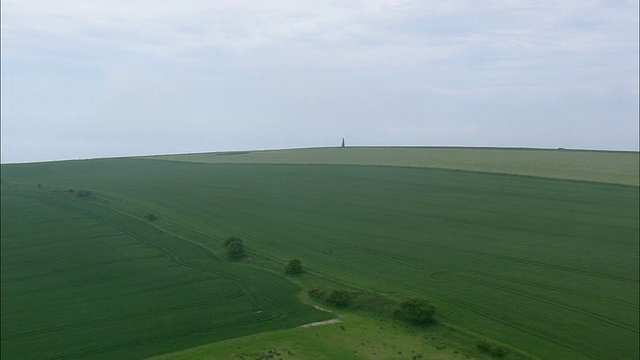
(599, 166)
(547, 266)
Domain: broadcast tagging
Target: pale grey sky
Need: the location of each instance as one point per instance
(105, 78)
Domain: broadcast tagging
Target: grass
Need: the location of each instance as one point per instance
(598, 166)
(356, 338)
(546, 266)
(81, 281)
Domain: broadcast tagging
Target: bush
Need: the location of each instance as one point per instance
(316, 293)
(151, 217)
(294, 267)
(372, 303)
(230, 240)
(339, 297)
(84, 194)
(492, 348)
(235, 250)
(415, 310)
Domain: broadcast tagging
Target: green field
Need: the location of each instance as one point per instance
(599, 166)
(547, 266)
(81, 281)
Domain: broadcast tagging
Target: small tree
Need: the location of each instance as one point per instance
(235, 250)
(294, 267)
(415, 310)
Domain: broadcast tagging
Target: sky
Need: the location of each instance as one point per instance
(110, 78)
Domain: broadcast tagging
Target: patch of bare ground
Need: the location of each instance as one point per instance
(320, 323)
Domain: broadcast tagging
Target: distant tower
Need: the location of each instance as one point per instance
(342, 142)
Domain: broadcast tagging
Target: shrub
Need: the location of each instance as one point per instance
(492, 348)
(230, 240)
(235, 250)
(294, 267)
(84, 194)
(316, 293)
(373, 303)
(339, 297)
(415, 310)
(151, 217)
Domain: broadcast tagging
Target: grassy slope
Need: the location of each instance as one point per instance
(600, 166)
(548, 266)
(356, 338)
(81, 281)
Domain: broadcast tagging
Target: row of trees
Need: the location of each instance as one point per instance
(413, 310)
(235, 251)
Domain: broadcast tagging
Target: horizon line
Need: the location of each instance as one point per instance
(474, 147)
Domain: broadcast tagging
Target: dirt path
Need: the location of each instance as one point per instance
(320, 323)
(320, 308)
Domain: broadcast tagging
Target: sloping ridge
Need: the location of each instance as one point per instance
(614, 167)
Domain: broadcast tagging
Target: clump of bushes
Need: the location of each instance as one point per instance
(316, 293)
(492, 348)
(356, 300)
(339, 297)
(375, 304)
(416, 310)
(293, 267)
(151, 217)
(230, 240)
(235, 249)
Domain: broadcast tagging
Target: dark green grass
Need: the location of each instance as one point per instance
(547, 266)
(80, 281)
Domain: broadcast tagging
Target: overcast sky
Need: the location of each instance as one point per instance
(103, 78)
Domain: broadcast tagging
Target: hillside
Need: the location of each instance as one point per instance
(547, 266)
(598, 166)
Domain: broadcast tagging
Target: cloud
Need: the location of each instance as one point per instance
(483, 45)
(234, 70)
(182, 28)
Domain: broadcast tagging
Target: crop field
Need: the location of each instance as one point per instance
(80, 281)
(599, 166)
(547, 266)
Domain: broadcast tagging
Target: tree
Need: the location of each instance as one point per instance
(294, 267)
(235, 250)
(415, 310)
